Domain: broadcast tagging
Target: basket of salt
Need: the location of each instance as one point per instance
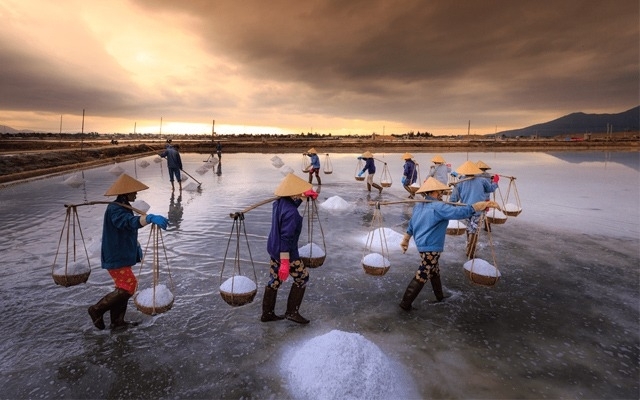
(312, 255)
(72, 274)
(375, 264)
(385, 178)
(481, 272)
(328, 166)
(511, 210)
(495, 216)
(154, 300)
(456, 227)
(359, 168)
(74, 271)
(238, 290)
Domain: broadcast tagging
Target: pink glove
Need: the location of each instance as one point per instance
(495, 178)
(311, 193)
(283, 272)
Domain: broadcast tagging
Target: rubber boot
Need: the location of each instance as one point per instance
(436, 284)
(269, 304)
(368, 187)
(293, 305)
(414, 288)
(318, 178)
(472, 240)
(375, 185)
(96, 311)
(118, 311)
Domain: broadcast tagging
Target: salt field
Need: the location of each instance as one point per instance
(562, 322)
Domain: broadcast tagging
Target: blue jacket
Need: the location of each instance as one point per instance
(440, 172)
(486, 176)
(472, 190)
(409, 174)
(369, 165)
(173, 157)
(286, 225)
(315, 161)
(428, 223)
(120, 236)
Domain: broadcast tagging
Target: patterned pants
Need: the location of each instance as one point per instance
(297, 271)
(429, 266)
(124, 279)
(472, 223)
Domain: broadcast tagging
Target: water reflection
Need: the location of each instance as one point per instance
(175, 210)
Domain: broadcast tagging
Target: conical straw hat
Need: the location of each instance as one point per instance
(468, 168)
(482, 165)
(367, 154)
(407, 156)
(125, 184)
(312, 151)
(438, 159)
(432, 184)
(292, 185)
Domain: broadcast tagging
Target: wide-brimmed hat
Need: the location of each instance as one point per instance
(125, 184)
(292, 185)
(312, 151)
(468, 168)
(438, 159)
(482, 165)
(432, 184)
(367, 154)
(407, 156)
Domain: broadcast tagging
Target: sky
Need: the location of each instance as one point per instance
(324, 66)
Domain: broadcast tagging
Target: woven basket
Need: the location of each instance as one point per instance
(152, 310)
(413, 189)
(377, 271)
(238, 299)
(481, 279)
(313, 262)
(328, 172)
(456, 231)
(385, 184)
(496, 221)
(71, 280)
(359, 178)
(512, 213)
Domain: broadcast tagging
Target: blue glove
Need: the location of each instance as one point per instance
(360, 173)
(404, 181)
(159, 220)
(454, 174)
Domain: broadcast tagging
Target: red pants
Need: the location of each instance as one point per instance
(124, 279)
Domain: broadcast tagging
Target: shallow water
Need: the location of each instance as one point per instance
(562, 322)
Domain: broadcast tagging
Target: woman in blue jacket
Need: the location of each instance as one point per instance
(314, 168)
(120, 250)
(282, 245)
(370, 168)
(409, 173)
(428, 226)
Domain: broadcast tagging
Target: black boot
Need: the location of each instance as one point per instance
(368, 187)
(269, 304)
(318, 178)
(414, 288)
(293, 304)
(119, 310)
(105, 304)
(375, 185)
(436, 284)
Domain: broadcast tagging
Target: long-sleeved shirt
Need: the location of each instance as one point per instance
(315, 161)
(472, 190)
(369, 166)
(119, 236)
(440, 172)
(286, 225)
(173, 158)
(428, 223)
(410, 174)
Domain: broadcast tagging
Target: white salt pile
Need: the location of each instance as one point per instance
(344, 365)
(141, 205)
(510, 207)
(377, 238)
(238, 284)
(481, 267)
(144, 163)
(163, 297)
(336, 204)
(287, 170)
(191, 187)
(456, 224)
(116, 170)
(183, 178)
(75, 181)
(276, 161)
(311, 250)
(375, 260)
(496, 214)
(202, 170)
(157, 159)
(72, 268)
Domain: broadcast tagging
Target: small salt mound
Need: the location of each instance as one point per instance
(202, 170)
(510, 207)
(377, 236)
(286, 171)
(456, 224)
(210, 164)
(481, 267)
(144, 163)
(157, 159)
(163, 298)
(276, 161)
(183, 178)
(496, 214)
(336, 203)
(375, 260)
(141, 205)
(343, 365)
(116, 170)
(75, 181)
(238, 285)
(73, 268)
(191, 187)
(311, 250)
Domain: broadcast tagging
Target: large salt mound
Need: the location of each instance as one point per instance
(343, 365)
(336, 203)
(392, 238)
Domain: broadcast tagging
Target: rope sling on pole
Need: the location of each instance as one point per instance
(374, 262)
(311, 254)
(75, 271)
(158, 298)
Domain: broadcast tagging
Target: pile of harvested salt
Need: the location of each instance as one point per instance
(496, 216)
(392, 238)
(75, 181)
(141, 205)
(72, 268)
(157, 159)
(344, 365)
(287, 170)
(337, 204)
(191, 187)
(238, 285)
(376, 260)
(203, 169)
(116, 169)
(276, 161)
(144, 163)
(311, 250)
(481, 267)
(163, 297)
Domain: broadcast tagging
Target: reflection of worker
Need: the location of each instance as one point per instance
(314, 168)
(370, 168)
(409, 173)
(282, 245)
(219, 150)
(175, 210)
(174, 163)
(428, 226)
(120, 250)
(469, 190)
